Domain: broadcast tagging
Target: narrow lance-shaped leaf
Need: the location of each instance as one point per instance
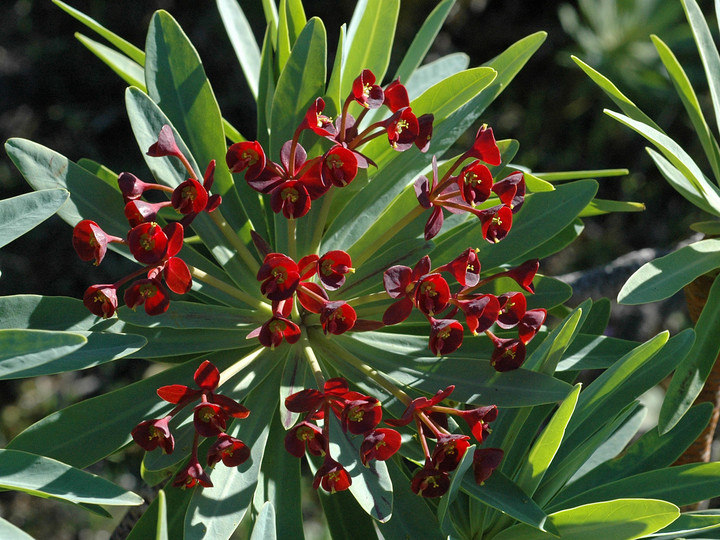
(242, 41)
(20, 214)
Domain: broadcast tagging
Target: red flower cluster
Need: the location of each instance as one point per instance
(433, 478)
(358, 414)
(210, 419)
(153, 246)
(297, 180)
(473, 186)
(282, 278)
(428, 291)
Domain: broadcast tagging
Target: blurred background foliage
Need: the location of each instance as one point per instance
(55, 92)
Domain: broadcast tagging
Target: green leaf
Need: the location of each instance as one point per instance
(423, 40)
(8, 530)
(707, 49)
(293, 380)
(177, 500)
(449, 497)
(300, 83)
(90, 196)
(215, 513)
(20, 214)
(241, 38)
(31, 353)
(621, 519)
(129, 71)
(651, 451)
(588, 351)
(689, 523)
(369, 42)
(193, 315)
(599, 207)
(126, 47)
(547, 356)
(264, 528)
(433, 72)
(45, 477)
(162, 525)
(692, 106)
(694, 368)
(695, 187)
(29, 311)
(501, 493)
(296, 19)
(627, 106)
(680, 485)
(578, 175)
(664, 276)
(344, 517)
(708, 228)
(545, 447)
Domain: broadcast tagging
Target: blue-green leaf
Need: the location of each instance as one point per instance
(20, 214)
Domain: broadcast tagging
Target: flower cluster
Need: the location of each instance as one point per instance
(153, 246)
(297, 180)
(360, 414)
(210, 418)
(472, 186)
(282, 278)
(425, 288)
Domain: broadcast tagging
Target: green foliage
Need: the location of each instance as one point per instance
(555, 435)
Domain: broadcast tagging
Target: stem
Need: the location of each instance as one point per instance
(375, 375)
(359, 300)
(312, 294)
(397, 227)
(321, 221)
(240, 248)
(313, 363)
(292, 241)
(238, 366)
(423, 442)
(187, 166)
(229, 289)
(438, 431)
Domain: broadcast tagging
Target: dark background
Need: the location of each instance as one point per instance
(55, 92)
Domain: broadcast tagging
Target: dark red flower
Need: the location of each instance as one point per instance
(132, 187)
(530, 324)
(361, 415)
(305, 435)
(402, 129)
(310, 301)
(90, 241)
(147, 242)
(339, 166)
(246, 156)
(449, 451)
(332, 476)
(101, 300)
(190, 197)
(465, 268)
(478, 419)
(400, 282)
(475, 183)
(485, 148)
(396, 96)
(508, 354)
(481, 312)
(512, 308)
(337, 317)
(318, 122)
(485, 461)
(332, 268)
(152, 434)
(291, 198)
(366, 92)
(165, 145)
(432, 294)
(272, 333)
(430, 482)
(496, 222)
(279, 275)
(191, 475)
(524, 274)
(138, 211)
(418, 405)
(446, 336)
(231, 451)
(379, 444)
(177, 275)
(425, 130)
(149, 292)
(209, 419)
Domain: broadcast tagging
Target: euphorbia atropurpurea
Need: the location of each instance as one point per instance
(302, 292)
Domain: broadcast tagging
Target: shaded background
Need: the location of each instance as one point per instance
(55, 92)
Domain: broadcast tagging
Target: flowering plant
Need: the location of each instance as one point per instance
(344, 290)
